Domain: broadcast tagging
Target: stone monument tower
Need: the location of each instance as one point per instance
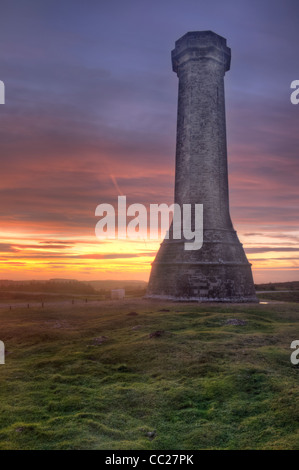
(219, 271)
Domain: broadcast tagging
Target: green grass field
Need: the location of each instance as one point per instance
(92, 377)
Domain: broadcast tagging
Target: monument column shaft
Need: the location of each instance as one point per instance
(219, 270)
(201, 151)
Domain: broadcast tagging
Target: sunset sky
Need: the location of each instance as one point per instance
(90, 114)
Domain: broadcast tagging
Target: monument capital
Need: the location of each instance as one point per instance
(199, 45)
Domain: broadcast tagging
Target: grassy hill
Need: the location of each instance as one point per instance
(281, 296)
(149, 375)
(42, 289)
(279, 286)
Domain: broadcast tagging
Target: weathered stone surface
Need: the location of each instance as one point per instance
(219, 271)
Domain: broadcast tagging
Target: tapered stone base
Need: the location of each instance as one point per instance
(218, 272)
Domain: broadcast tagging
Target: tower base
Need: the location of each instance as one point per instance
(218, 272)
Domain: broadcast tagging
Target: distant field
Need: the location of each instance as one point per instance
(45, 292)
(287, 296)
(149, 375)
(278, 286)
